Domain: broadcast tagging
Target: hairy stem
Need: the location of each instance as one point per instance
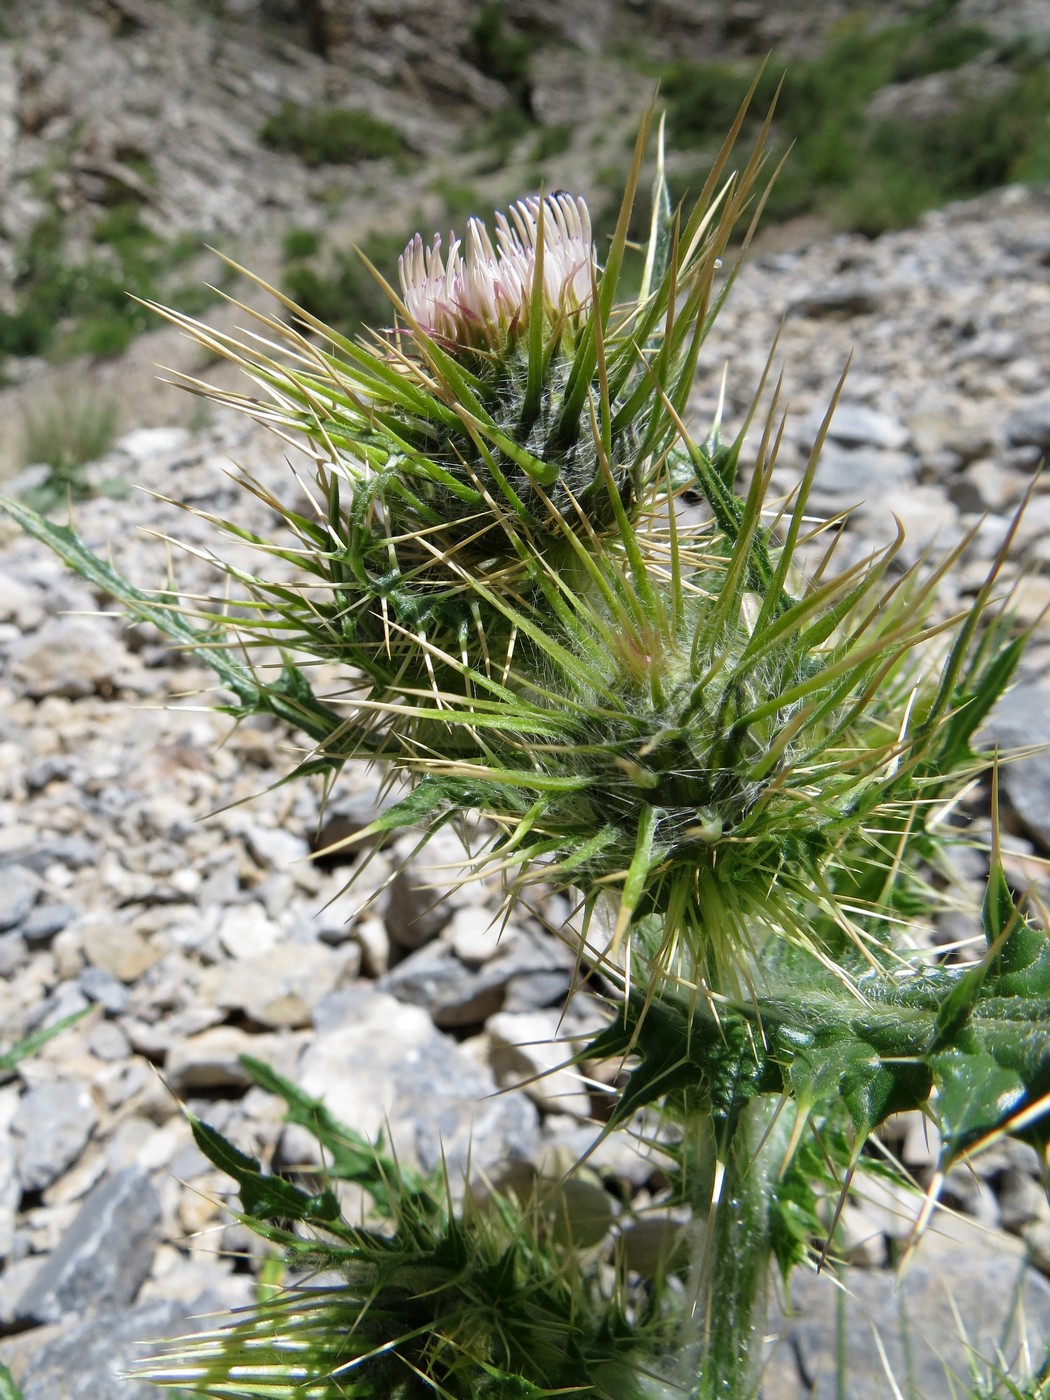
(732, 1270)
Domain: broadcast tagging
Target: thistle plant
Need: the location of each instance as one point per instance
(573, 618)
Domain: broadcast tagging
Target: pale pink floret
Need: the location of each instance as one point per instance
(479, 294)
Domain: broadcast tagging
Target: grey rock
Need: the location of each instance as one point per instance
(1022, 1200)
(66, 1000)
(425, 894)
(19, 603)
(383, 1066)
(526, 1049)
(462, 994)
(1021, 719)
(149, 444)
(51, 1128)
(45, 921)
(939, 94)
(978, 1275)
(534, 990)
(281, 987)
(13, 951)
(1030, 426)
(19, 890)
(54, 768)
(107, 1041)
(10, 1188)
(856, 425)
(246, 931)
(345, 814)
(104, 1256)
(272, 848)
(850, 475)
(453, 992)
(89, 1359)
(72, 657)
(839, 300)
(102, 987)
(72, 851)
(211, 1060)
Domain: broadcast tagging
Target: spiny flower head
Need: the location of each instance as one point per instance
(479, 296)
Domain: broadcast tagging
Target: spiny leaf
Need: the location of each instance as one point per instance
(347, 1155)
(291, 699)
(877, 1048)
(263, 1197)
(976, 1095)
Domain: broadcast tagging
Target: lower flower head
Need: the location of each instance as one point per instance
(479, 296)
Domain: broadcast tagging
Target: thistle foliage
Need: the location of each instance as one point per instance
(558, 610)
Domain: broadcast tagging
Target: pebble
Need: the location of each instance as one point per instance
(424, 894)
(246, 930)
(381, 1065)
(1029, 425)
(857, 425)
(51, 1128)
(117, 947)
(526, 1051)
(280, 987)
(211, 1060)
(1021, 720)
(88, 1359)
(457, 993)
(19, 890)
(45, 921)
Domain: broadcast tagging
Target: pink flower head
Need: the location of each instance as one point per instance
(478, 296)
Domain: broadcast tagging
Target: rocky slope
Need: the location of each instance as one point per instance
(151, 872)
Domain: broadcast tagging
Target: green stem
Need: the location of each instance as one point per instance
(731, 1272)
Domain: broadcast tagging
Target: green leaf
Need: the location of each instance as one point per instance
(287, 700)
(32, 1043)
(347, 1155)
(263, 1197)
(976, 1096)
(875, 1048)
(8, 1389)
(1021, 966)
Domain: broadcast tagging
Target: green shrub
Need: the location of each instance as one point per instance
(344, 294)
(459, 201)
(300, 243)
(552, 141)
(65, 308)
(65, 434)
(870, 175)
(499, 50)
(122, 229)
(330, 135)
(498, 136)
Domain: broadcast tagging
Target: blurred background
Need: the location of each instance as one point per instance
(284, 132)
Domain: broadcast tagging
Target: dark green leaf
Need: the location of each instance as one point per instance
(977, 1095)
(263, 1197)
(32, 1043)
(1021, 966)
(347, 1155)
